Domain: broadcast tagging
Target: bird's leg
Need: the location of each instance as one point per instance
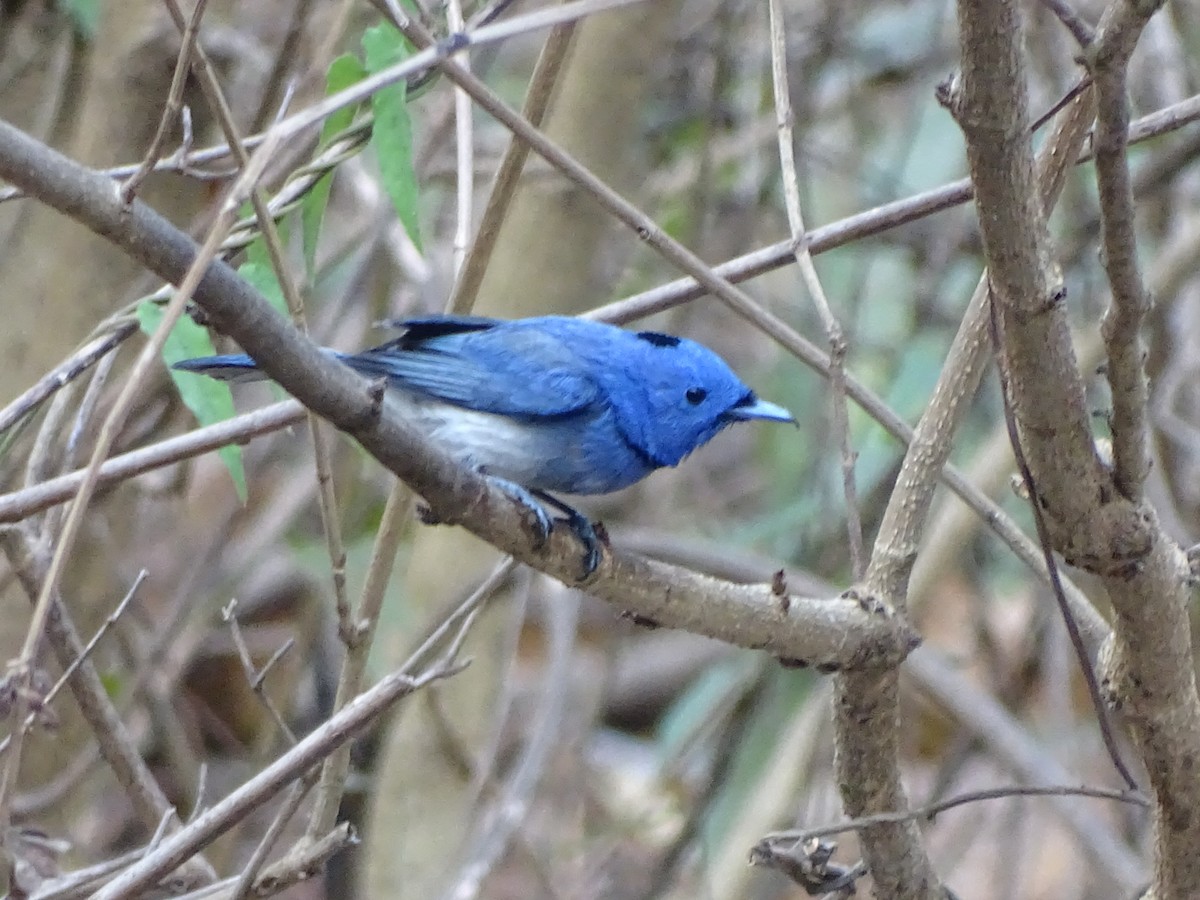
(523, 497)
(583, 528)
(533, 501)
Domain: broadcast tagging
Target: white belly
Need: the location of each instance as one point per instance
(496, 445)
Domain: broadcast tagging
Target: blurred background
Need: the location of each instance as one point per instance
(580, 755)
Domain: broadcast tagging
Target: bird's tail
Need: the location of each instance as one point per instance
(236, 368)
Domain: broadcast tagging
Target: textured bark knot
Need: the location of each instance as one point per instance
(1023, 315)
(869, 602)
(1113, 542)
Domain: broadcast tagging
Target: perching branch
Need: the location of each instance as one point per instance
(828, 633)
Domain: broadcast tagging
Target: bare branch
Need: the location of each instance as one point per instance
(284, 771)
(239, 430)
(812, 630)
(64, 373)
(173, 105)
(785, 122)
(1092, 521)
(1108, 61)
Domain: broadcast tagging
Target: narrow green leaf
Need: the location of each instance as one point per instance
(209, 400)
(343, 72)
(392, 136)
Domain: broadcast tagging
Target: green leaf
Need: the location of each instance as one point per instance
(209, 400)
(392, 135)
(343, 72)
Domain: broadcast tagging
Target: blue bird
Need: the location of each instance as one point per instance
(549, 403)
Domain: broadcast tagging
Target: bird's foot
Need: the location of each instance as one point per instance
(587, 533)
(592, 537)
(542, 523)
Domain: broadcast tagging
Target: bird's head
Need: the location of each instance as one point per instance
(678, 395)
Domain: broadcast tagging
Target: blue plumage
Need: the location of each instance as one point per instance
(549, 403)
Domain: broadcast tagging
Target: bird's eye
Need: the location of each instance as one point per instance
(696, 396)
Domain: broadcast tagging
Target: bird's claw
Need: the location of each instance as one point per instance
(542, 524)
(592, 537)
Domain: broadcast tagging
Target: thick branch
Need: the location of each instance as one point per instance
(1149, 666)
(868, 758)
(1048, 399)
(1130, 300)
(831, 634)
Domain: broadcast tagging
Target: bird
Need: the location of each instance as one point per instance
(548, 403)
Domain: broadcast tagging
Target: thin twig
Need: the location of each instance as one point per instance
(291, 803)
(496, 827)
(464, 150)
(88, 407)
(173, 105)
(64, 373)
(108, 623)
(1043, 533)
(785, 122)
(47, 444)
(396, 515)
(240, 429)
(254, 676)
(284, 58)
(1071, 20)
(930, 811)
(63, 679)
(84, 416)
(504, 186)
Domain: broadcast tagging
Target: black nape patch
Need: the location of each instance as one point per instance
(659, 340)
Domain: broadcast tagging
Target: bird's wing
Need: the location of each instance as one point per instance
(507, 368)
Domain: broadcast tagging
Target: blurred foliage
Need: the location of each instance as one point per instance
(85, 14)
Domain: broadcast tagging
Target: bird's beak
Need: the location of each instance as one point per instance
(761, 409)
